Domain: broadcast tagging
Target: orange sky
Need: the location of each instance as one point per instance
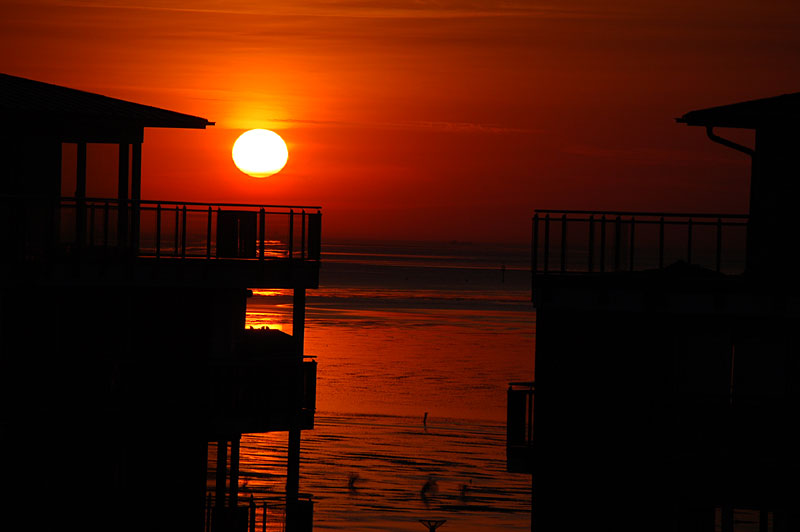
(427, 120)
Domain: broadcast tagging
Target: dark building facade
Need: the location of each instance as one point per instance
(123, 348)
(667, 375)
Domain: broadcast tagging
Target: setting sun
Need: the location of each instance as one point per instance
(260, 153)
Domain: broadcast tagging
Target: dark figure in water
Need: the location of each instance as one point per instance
(429, 489)
(351, 482)
(464, 489)
(425, 421)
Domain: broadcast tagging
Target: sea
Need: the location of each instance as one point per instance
(415, 344)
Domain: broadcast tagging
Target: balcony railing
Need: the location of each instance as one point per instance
(614, 241)
(256, 514)
(519, 427)
(35, 227)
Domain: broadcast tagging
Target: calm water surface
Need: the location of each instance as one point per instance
(398, 331)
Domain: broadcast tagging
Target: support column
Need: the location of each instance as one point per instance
(122, 194)
(234, 488)
(80, 195)
(293, 458)
(136, 193)
(222, 466)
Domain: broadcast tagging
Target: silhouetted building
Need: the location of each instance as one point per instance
(123, 346)
(667, 372)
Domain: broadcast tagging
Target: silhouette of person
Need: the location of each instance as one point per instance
(429, 489)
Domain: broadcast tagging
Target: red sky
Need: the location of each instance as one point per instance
(427, 120)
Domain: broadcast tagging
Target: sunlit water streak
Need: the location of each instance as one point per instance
(391, 459)
(398, 332)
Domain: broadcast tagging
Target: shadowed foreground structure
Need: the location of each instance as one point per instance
(666, 392)
(124, 350)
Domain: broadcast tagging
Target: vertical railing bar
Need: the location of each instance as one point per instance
(183, 234)
(530, 417)
(546, 242)
(719, 245)
(177, 230)
(158, 231)
(208, 511)
(633, 245)
(603, 243)
(689, 242)
(661, 243)
(262, 225)
(590, 258)
(105, 225)
(563, 243)
(617, 243)
(534, 251)
(208, 233)
(91, 223)
(252, 512)
(291, 233)
(303, 234)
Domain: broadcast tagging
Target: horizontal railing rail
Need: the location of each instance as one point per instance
(161, 228)
(574, 241)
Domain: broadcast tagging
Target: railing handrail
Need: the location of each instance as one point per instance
(135, 226)
(654, 214)
(130, 201)
(618, 245)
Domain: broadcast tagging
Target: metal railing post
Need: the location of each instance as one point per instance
(183, 234)
(208, 234)
(617, 243)
(158, 231)
(534, 251)
(105, 225)
(177, 231)
(632, 246)
(91, 223)
(262, 228)
(291, 233)
(303, 234)
(603, 243)
(546, 242)
(591, 243)
(252, 510)
(563, 243)
(719, 245)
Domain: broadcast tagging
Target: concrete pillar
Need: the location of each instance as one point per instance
(222, 466)
(234, 488)
(136, 192)
(80, 193)
(293, 458)
(122, 194)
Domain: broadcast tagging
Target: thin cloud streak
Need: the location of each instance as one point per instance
(367, 10)
(454, 127)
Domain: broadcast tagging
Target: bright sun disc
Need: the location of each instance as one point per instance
(260, 153)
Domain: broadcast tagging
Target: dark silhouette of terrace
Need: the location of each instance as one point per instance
(666, 358)
(122, 327)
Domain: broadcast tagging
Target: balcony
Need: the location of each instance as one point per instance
(271, 394)
(105, 240)
(597, 242)
(519, 426)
